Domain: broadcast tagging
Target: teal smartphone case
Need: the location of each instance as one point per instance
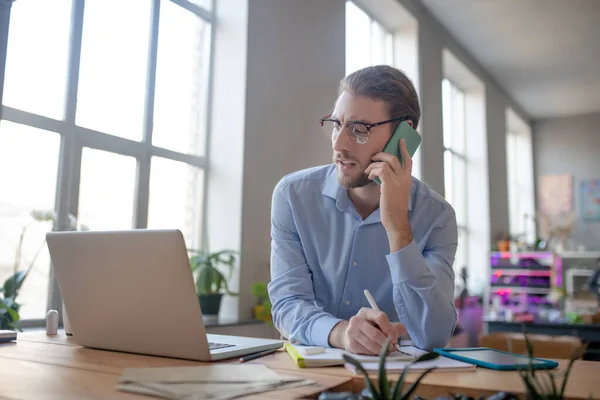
(412, 138)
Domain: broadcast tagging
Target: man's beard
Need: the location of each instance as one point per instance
(347, 181)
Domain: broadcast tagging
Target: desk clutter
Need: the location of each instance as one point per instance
(215, 382)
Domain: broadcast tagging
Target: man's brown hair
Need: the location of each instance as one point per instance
(382, 82)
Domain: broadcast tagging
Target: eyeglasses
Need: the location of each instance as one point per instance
(359, 131)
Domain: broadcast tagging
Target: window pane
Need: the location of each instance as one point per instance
(176, 198)
(37, 54)
(447, 113)
(459, 181)
(206, 4)
(458, 120)
(378, 44)
(106, 192)
(448, 181)
(181, 80)
(358, 38)
(455, 185)
(29, 165)
(461, 260)
(114, 54)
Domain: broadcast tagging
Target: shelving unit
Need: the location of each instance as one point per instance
(520, 282)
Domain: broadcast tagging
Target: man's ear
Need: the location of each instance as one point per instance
(410, 123)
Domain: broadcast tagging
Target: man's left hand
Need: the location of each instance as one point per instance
(396, 180)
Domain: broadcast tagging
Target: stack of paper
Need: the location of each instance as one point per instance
(215, 382)
(331, 356)
(394, 366)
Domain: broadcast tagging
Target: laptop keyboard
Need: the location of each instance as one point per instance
(215, 346)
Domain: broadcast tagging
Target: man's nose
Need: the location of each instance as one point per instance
(343, 141)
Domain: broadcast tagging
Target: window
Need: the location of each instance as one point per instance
(455, 165)
(367, 41)
(519, 164)
(104, 119)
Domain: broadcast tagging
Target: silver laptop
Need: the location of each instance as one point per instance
(133, 291)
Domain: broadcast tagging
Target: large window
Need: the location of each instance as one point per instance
(455, 165)
(367, 41)
(103, 119)
(521, 203)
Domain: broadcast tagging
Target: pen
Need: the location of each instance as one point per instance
(373, 305)
(257, 355)
(371, 300)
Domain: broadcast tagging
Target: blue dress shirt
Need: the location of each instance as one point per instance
(323, 256)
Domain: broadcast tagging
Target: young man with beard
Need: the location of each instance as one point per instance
(335, 232)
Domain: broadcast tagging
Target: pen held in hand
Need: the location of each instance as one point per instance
(371, 300)
(257, 355)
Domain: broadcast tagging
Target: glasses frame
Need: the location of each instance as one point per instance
(366, 125)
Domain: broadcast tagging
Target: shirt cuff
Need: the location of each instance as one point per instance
(406, 263)
(321, 328)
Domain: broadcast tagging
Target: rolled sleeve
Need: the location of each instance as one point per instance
(406, 263)
(321, 329)
(424, 284)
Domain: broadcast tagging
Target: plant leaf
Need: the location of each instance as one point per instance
(567, 372)
(413, 387)
(553, 383)
(398, 389)
(13, 284)
(14, 316)
(360, 368)
(384, 387)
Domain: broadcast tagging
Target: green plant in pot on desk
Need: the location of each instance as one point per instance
(211, 282)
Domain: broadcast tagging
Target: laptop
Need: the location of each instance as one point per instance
(133, 291)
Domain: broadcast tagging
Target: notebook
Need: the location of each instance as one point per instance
(332, 357)
(442, 364)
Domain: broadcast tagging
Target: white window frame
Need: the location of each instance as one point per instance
(74, 138)
(460, 156)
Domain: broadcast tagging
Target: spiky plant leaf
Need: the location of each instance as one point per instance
(384, 386)
(413, 387)
(398, 389)
(360, 368)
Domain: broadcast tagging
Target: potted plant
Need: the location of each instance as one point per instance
(9, 308)
(503, 242)
(262, 310)
(211, 282)
(539, 385)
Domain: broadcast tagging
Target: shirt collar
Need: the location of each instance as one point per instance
(332, 188)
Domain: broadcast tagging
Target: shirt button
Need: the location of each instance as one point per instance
(347, 302)
(355, 263)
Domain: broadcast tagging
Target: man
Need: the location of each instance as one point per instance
(336, 233)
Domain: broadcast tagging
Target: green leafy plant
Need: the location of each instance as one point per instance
(384, 390)
(209, 279)
(543, 384)
(9, 307)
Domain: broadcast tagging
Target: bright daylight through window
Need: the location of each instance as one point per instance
(103, 120)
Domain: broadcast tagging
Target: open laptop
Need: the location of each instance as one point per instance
(133, 291)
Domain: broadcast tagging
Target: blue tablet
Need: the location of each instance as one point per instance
(495, 359)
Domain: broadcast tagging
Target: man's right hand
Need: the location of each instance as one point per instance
(365, 333)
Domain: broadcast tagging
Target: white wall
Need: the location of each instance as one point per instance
(571, 145)
(294, 61)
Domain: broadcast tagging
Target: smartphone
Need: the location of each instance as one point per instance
(412, 138)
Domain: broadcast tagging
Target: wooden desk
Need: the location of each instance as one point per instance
(37, 366)
(58, 368)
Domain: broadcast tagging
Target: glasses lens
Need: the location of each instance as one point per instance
(359, 132)
(331, 129)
